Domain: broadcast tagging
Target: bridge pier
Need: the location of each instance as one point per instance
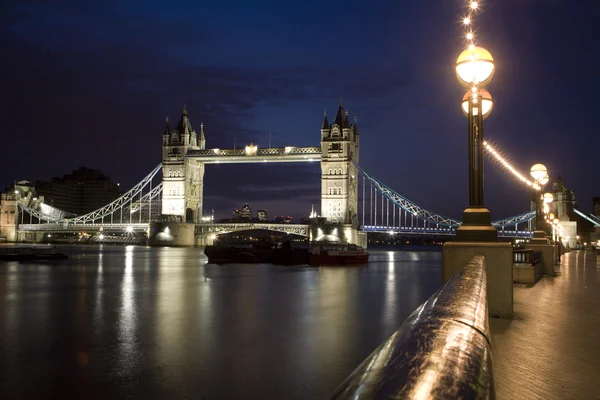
(323, 230)
(29, 237)
(168, 233)
(476, 236)
(205, 240)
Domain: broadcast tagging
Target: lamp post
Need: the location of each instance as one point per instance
(475, 69)
(539, 173)
(548, 199)
(555, 223)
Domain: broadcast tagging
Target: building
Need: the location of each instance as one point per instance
(246, 212)
(82, 191)
(261, 215)
(283, 220)
(243, 214)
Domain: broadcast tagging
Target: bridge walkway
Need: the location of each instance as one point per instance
(551, 349)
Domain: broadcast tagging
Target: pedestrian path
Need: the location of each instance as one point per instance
(551, 349)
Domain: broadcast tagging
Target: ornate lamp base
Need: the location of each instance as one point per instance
(477, 226)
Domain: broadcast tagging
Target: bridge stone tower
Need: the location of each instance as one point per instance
(340, 143)
(182, 177)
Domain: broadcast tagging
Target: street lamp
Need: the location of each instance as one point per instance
(486, 103)
(539, 173)
(555, 228)
(547, 199)
(475, 66)
(475, 69)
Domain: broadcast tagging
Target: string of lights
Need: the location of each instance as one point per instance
(472, 7)
(508, 166)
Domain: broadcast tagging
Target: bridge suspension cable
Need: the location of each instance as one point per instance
(125, 206)
(406, 205)
(412, 218)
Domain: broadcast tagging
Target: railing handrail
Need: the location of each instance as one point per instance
(442, 350)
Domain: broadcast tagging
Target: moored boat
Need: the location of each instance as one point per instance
(261, 252)
(332, 253)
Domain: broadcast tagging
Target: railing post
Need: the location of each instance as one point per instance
(499, 268)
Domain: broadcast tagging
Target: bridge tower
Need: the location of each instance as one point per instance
(340, 143)
(182, 177)
(9, 212)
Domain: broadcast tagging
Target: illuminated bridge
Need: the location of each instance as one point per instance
(173, 190)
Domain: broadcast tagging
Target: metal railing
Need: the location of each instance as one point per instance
(527, 256)
(442, 351)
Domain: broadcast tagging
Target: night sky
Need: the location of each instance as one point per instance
(90, 84)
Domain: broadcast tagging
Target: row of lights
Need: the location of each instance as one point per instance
(475, 67)
(540, 175)
(509, 167)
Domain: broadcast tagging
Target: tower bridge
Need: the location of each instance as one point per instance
(167, 204)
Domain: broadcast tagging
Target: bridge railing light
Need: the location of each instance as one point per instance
(251, 149)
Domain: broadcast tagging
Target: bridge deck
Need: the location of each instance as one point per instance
(551, 349)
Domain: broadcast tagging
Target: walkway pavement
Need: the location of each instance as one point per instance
(551, 349)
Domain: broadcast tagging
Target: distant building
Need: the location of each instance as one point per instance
(79, 192)
(246, 212)
(243, 214)
(596, 201)
(283, 220)
(261, 215)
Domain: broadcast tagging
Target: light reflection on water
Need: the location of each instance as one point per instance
(112, 322)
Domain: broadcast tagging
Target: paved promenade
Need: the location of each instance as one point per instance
(551, 349)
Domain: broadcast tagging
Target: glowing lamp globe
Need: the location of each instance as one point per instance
(548, 197)
(551, 217)
(475, 66)
(538, 172)
(486, 103)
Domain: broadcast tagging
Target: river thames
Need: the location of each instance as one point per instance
(115, 322)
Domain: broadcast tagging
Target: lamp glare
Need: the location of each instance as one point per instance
(475, 66)
(538, 172)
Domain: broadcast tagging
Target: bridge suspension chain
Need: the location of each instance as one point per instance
(431, 222)
(405, 204)
(124, 202)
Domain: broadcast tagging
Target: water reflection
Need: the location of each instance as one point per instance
(390, 304)
(171, 314)
(414, 256)
(160, 323)
(128, 352)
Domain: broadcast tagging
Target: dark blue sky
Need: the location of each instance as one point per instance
(90, 84)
